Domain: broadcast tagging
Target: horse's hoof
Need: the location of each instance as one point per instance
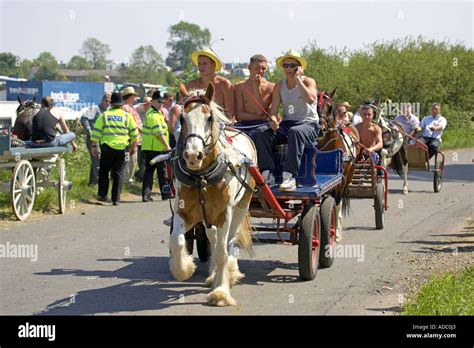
(220, 298)
(185, 270)
(405, 191)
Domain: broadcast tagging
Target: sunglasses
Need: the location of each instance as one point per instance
(290, 65)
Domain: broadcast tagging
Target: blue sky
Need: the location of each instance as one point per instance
(268, 27)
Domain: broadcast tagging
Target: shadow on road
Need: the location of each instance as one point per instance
(387, 309)
(150, 286)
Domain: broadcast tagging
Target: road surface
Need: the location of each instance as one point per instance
(114, 260)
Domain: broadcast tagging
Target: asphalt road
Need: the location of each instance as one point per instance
(114, 260)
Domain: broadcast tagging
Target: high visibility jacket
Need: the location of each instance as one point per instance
(154, 125)
(115, 128)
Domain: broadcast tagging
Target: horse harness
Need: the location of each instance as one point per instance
(214, 173)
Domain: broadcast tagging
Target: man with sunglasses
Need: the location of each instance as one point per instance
(297, 94)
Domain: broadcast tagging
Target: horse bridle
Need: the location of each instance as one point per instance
(27, 106)
(201, 100)
(338, 127)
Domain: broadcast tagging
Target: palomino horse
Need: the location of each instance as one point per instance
(338, 136)
(24, 118)
(213, 186)
(395, 148)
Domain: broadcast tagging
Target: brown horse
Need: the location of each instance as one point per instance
(24, 118)
(338, 136)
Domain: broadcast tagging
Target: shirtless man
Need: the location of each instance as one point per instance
(251, 96)
(209, 64)
(370, 134)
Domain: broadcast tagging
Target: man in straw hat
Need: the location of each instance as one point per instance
(209, 64)
(129, 99)
(299, 126)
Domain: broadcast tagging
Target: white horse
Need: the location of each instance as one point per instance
(213, 186)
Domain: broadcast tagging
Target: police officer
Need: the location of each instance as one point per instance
(155, 141)
(116, 132)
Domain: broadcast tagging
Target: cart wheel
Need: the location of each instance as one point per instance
(437, 178)
(379, 205)
(308, 243)
(61, 188)
(328, 232)
(202, 243)
(23, 190)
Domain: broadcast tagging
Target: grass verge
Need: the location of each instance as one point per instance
(77, 171)
(447, 294)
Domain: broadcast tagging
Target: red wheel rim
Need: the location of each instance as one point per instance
(332, 233)
(315, 243)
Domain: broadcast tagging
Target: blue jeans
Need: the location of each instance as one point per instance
(60, 140)
(252, 128)
(294, 133)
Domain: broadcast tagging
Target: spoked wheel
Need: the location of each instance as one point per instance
(23, 190)
(379, 205)
(437, 177)
(328, 232)
(61, 186)
(309, 243)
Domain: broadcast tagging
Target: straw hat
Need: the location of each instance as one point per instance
(208, 53)
(129, 90)
(292, 54)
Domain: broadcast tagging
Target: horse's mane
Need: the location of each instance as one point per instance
(217, 110)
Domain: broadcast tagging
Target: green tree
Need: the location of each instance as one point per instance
(47, 67)
(79, 63)
(93, 77)
(95, 52)
(146, 66)
(9, 64)
(185, 38)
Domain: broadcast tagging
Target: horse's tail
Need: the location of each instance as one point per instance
(346, 205)
(244, 235)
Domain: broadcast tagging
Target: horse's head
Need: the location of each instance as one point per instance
(27, 108)
(325, 107)
(199, 132)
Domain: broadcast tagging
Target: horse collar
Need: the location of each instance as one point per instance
(210, 176)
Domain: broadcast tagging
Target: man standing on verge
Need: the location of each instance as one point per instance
(155, 141)
(116, 131)
(87, 120)
(129, 98)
